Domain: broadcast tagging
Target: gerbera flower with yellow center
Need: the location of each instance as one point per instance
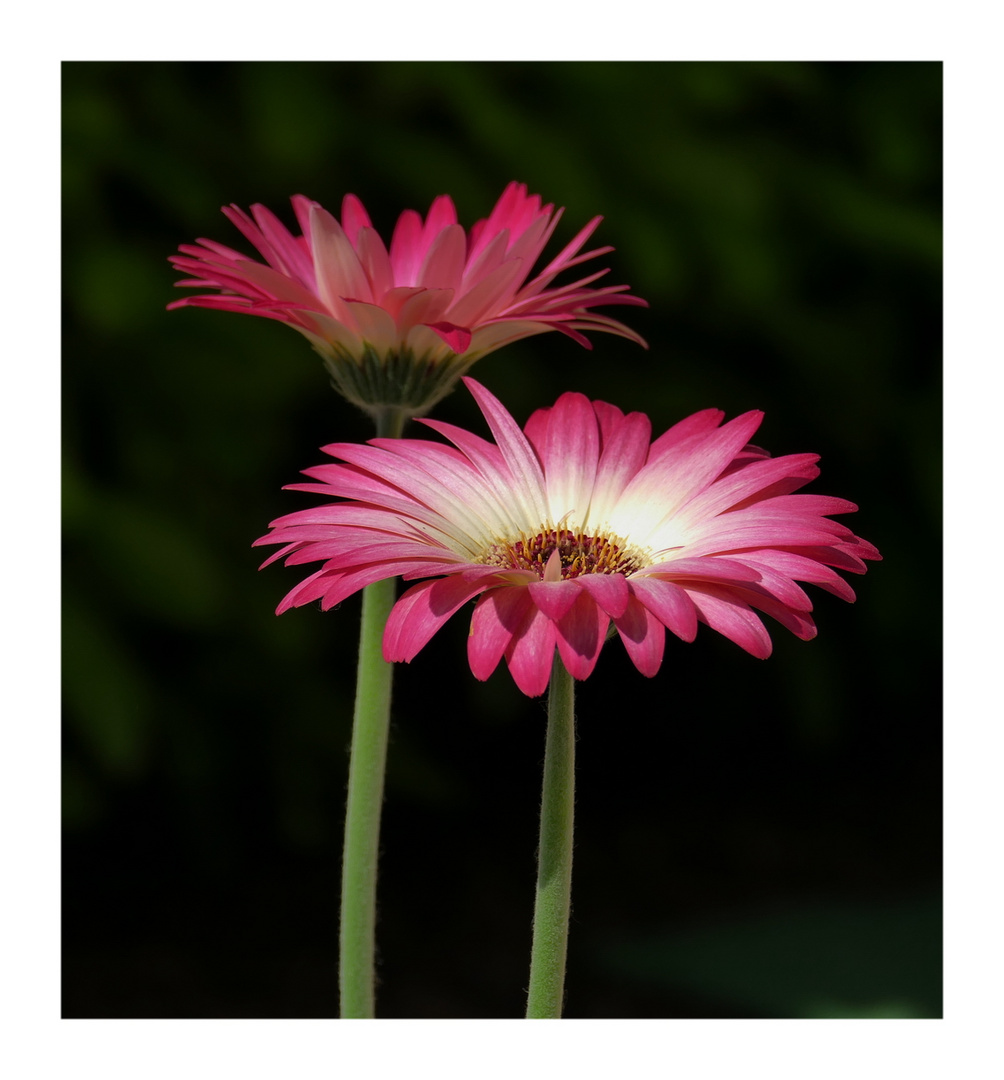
(574, 523)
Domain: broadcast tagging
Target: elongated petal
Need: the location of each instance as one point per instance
(581, 632)
(669, 603)
(375, 261)
(425, 306)
(570, 453)
(610, 591)
(489, 296)
(555, 598)
(420, 612)
(527, 475)
(406, 251)
(443, 266)
(354, 219)
(731, 542)
(340, 275)
(473, 284)
(756, 481)
(643, 635)
(531, 653)
(665, 485)
(625, 449)
(732, 618)
(498, 617)
(457, 337)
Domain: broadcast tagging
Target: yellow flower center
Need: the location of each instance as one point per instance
(577, 553)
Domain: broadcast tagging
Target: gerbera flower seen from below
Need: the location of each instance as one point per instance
(397, 327)
(577, 522)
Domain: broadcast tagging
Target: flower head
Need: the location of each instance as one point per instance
(576, 522)
(397, 327)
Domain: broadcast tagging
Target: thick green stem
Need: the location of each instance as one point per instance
(554, 869)
(370, 726)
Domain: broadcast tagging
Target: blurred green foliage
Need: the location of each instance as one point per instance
(853, 960)
(783, 221)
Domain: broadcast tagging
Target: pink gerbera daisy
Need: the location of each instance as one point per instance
(397, 328)
(576, 522)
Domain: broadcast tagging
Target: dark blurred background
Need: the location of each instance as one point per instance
(754, 839)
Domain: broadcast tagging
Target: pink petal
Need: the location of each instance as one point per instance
(483, 455)
(841, 555)
(442, 214)
(528, 244)
(492, 336)
(489, 259)
(354, 218)
(394, 300)
(732, 619)
(425, 306)
(669, 603)
(449, 469)
(756, 481)
(538, 286)
(500, 217)
(531, 653)
(372, 323)
(528, 477)
(498, 616)
(564, 257)
(625, 448)
(554, 598)
(535, 430)
(797, 620)
(489, 296)
(697, 424)
(420, 612)
(406, 251)
(570, 453)
(732, 532)
(675, 477)
(422, 492)
(339, 272)
(778, 586)
(801, 568)
(457, 337)
(444, 264)
(252, 232)
(610, 591)
(290, 254)
(306, 592)
(375, 262)
(270, 283)
(302, 207)
(643, 636)
(331, 587)
(581, 633)
(709, 568)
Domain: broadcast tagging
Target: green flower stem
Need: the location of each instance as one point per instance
(554, 869)
(368, 756)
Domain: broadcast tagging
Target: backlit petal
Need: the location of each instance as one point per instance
(420, 612)
(531, 653)
(498, 616)
(733, 539)
(581, 633)
(480, 277)
(643, 635)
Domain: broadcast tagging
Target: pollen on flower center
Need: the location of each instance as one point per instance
(578, 553)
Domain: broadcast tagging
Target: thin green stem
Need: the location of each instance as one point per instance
(367, 761)
(554, 868)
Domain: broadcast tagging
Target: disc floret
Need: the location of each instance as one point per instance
(578, 552)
